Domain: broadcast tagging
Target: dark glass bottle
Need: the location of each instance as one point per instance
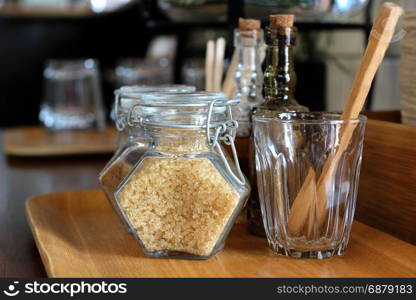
(279, 87)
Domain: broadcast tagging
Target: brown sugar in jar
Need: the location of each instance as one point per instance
(181, 199)
(178, 204)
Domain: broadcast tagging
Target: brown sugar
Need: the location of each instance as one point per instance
(182, 145)
(178, 204)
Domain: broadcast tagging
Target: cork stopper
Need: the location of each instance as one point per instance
(248, 24)
(281, 20)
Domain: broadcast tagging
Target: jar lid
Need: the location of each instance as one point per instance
(186, 110)
(128, 96)
(136, 91)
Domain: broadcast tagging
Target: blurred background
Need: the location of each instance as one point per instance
(163, 41)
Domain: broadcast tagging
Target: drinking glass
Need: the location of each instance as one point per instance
(72, 96)
(308, 167)
(193, 73)
(136, 71)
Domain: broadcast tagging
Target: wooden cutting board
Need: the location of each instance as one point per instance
(37, 141)
(78, 235)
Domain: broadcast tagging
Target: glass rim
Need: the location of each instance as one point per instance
(69, 59)
(64, 69)
(338, 120)
(59, 63)
(138, 91)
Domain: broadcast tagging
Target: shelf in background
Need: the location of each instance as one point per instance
(63, 11)
(162, 24)
(37, 141)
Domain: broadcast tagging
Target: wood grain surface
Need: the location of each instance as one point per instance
(387, 191)
(24, 177)
(78, 235)
(37, 141)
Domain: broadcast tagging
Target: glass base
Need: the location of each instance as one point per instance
(180, 255)
(126, 226)
(314, 254)
(79, 119)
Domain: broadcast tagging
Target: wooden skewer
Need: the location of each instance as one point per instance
(209, 66)
(228, 86)
(382, 33)
(219, 63)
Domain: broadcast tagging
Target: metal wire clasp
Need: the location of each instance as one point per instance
(119, 124)
(130, 116)
(226, 133)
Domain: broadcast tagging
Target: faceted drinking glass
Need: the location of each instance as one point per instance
(72, 96)
(308, 167)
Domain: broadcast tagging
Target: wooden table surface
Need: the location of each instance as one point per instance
(21, 178)
(79, 235)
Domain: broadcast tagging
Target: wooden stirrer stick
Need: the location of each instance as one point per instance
(219, 63)
(209, 66)
(228, 86)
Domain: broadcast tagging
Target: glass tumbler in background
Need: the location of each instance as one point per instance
(137, 71)
(72, 96)
(193, 73)
(308, 178)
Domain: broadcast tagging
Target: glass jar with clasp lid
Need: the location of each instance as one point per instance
(132, 141)
(184, 194)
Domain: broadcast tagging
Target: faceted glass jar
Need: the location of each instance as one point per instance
(133, 141)
(185, 193)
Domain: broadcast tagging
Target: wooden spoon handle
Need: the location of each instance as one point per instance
(219, 63)
(380, 37)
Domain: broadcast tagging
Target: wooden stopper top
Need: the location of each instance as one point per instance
(248, 24)
(281, 20)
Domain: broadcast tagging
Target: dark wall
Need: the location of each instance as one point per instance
(25, 44)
